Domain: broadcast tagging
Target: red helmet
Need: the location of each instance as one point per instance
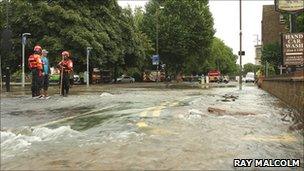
(37, 48)
(65, 53)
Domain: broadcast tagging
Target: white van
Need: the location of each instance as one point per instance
(249, 77)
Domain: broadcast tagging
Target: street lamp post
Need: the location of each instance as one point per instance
(240, 53)
(23, 56)
(88, 56)
(157, 29)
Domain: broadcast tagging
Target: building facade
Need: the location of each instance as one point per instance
(273, 25)
(258, 54)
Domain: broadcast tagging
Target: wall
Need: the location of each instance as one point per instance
(289, 89)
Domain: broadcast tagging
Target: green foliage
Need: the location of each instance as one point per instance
(300, 23)
(185, 32)
(121, 39)
(272, 54)
(74, 25)
(249, 67)
(222, 58)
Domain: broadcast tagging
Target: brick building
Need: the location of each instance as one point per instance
(273, 24)
(258, 54)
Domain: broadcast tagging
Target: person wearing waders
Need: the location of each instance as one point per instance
(35, 65)
(66, 68)
(45, 73)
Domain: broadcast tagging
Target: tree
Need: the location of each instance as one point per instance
(222, 58)
(63, 25)
(185, 32)
(271, 53)
(300, 23)
(249, 67)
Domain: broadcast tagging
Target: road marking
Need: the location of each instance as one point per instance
(142, 124)
(76, 116)
(145, 112)
(157, 110)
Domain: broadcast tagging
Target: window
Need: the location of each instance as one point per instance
(282, 20)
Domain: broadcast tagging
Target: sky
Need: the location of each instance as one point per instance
(226, 22)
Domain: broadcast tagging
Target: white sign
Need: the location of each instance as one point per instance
(289, 5)
(293, 48)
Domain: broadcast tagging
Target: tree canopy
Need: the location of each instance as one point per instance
(74, 25)
(185, 29)
(120, 38)
(271, 53)
(222, 58)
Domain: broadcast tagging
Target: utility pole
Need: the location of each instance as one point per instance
(240, 53)
(23, 41)
(157, 30)
(88, 71)
(257, 39)
(291, 29)
(0, 72)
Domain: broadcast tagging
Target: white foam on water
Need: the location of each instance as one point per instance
(194, 114)
(13, 143)
(48, 134)
(105, 94)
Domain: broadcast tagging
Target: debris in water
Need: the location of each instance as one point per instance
(296, 127)
(222, 112)
(229, 98)
(216, 110)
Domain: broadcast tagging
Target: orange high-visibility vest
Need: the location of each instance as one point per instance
(34, 61)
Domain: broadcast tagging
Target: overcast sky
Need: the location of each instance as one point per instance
(226, 22)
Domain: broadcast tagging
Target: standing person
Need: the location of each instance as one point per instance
(35, 65)
(66, 68)
(45, 73)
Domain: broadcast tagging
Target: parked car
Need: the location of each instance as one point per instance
(125, 79)
(77, 79)
(225, 79)
(249, 77)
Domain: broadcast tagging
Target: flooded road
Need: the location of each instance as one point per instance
(144, 128)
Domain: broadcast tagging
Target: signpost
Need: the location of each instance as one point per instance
(155, 60)
(88, 68)
(242, 53)
(291, 6)
(293, 49)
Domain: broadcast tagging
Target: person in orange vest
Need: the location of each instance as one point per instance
(35, 65)
(66, 68)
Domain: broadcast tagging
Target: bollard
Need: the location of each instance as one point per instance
(202, 80)
(207, 79)
(7, 80)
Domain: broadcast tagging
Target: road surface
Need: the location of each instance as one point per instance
(146, 128)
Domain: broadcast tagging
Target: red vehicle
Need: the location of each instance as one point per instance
(214, 75)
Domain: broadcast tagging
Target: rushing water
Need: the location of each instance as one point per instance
(144, 129)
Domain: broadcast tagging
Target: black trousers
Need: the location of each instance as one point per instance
(65, 86)
(35, 83)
